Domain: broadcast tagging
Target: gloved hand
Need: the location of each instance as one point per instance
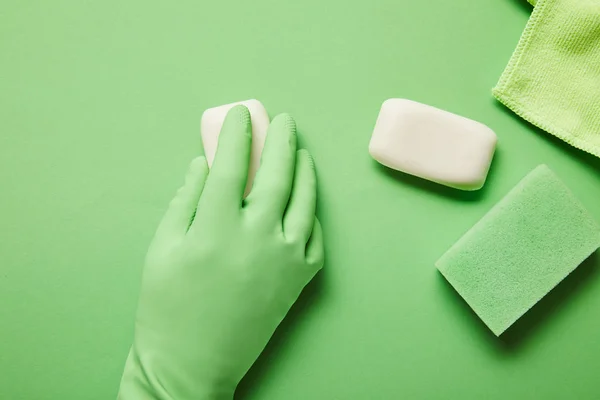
(222, 272)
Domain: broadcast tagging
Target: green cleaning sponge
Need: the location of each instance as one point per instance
(529, 242)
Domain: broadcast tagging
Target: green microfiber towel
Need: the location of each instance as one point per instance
(553, 77)
(529, 242)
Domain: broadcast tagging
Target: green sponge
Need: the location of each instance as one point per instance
(529, 242)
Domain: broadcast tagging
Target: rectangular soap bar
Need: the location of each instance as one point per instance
(433, 144)
(210, 128)
(529, 242)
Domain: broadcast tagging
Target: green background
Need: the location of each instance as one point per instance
(100, 103)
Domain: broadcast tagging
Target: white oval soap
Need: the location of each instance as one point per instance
(210, 128)
(433, 144)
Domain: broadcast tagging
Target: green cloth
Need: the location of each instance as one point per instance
(553, 77)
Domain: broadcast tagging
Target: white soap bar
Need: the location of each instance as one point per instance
(210, 128)
(433, 144)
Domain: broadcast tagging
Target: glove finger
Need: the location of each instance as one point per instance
(315, 248)
(300, 213)
(273, 183)
(229, 172)
(180, 213)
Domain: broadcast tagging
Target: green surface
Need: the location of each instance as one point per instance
(100, 104)
(520, 250)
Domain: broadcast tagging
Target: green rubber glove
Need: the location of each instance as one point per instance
(222, 272)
